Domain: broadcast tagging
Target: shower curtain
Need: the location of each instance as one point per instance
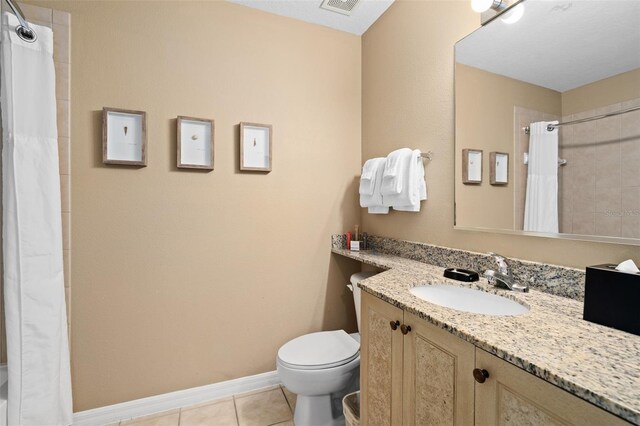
(541, 205)
(36, 321)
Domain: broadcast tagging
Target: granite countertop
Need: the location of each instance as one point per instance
(552, 341)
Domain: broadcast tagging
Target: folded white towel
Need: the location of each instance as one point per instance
(375, 197)
(368, 176)
(378, 210)
(417, 187)
(395, 170)
(408, 194)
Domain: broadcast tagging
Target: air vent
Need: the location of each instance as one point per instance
(343, 7)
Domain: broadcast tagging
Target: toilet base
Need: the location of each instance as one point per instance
(318, 411)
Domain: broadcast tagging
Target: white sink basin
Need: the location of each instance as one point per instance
(469, 300)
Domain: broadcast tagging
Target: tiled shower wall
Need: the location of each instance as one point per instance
(599, 187)
(601, 193)
(60, 22)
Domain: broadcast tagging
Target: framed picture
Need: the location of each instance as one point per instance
(498, 168)
(255, 147)
(471, 166)
(195, 143)
(124, 137)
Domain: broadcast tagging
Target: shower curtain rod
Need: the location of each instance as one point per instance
(24, 31)
(550, 127)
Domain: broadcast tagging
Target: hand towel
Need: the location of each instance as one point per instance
(417, 188)
(375, 198)
(368, 176)
(395, 170)
(378, 210)
(406, 174)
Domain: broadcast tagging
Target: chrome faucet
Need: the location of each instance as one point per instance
(503, 277)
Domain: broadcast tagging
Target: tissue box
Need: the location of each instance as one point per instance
(612, 298)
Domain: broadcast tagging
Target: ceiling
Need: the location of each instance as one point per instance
(559, 44)
(365, 13)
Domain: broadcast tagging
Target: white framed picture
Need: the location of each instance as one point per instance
(471, 166)
(255, 147)
(498, 168)
(195, 143)
(124, 137)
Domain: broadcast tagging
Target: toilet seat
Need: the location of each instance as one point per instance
(317, 351)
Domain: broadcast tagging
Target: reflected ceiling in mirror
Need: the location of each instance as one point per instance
(563, 61)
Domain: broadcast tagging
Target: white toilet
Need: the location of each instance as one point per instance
(321, 368)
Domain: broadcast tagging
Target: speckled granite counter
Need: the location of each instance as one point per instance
(551, 341)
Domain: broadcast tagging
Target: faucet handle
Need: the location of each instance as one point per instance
(503, 267)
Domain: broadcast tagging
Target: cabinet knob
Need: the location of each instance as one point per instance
(394, 325)
(405, 328)
(480, 375)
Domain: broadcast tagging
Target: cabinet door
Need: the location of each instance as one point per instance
(380, 363)
(512, 396)
(438, 380)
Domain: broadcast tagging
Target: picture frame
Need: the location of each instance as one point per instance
(256, 142)
(498, 168)
(124, 137)
(472, 166)
(196, 143)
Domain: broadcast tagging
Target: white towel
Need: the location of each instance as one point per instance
(368, 176)
(378, 210)
(417, 187)
(408, 194)
(395, 170)
(375, 198)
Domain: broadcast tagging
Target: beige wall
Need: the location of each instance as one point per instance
(185, 278)
(619, 88)
(485, 117)
(407, 77)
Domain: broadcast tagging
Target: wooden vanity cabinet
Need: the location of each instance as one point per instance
(414, 373)
(512, 396)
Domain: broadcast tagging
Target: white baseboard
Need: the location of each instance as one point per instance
(168, 401)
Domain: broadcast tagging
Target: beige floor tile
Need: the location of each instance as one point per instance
(291, 398)
(167, 418)
(263, 409)
(221, 413)
(287, 423)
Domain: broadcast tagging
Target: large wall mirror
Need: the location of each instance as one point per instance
(576, 63)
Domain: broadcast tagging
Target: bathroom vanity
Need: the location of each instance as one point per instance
(422, 363)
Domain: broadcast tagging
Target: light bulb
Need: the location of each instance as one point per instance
(480, 6)
(514, 14)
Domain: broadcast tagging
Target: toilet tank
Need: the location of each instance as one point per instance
(355, 279)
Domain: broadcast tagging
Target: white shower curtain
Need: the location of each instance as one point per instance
(541, 206)
(36, 321)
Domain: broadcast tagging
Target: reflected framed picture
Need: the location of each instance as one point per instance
(255, 147)
(124, 137)
(471, 166)
(498, 168)
(195, 143)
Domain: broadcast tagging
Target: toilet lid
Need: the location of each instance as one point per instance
(324, 349)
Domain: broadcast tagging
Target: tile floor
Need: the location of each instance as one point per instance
(266, 407)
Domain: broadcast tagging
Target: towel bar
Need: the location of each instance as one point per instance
(428, 155)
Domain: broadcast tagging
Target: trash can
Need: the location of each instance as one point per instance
(351, 408)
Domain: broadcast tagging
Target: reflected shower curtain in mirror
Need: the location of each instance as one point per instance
(541, 205)
(36, 320)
